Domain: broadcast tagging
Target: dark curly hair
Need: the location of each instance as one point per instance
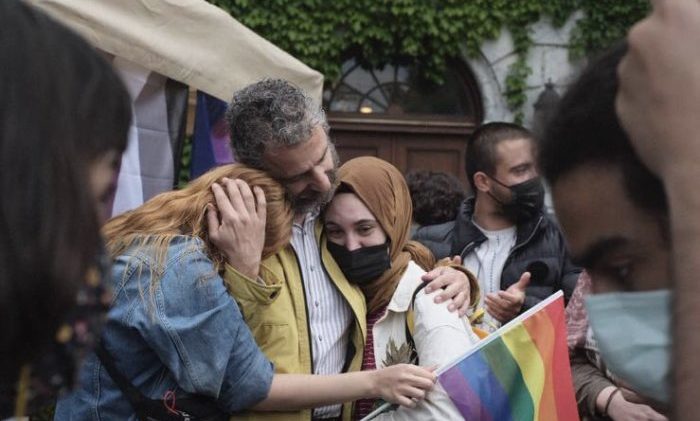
(63, 107)
(436, 196)
(585, 129)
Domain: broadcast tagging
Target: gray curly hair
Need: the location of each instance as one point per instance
(268, 114)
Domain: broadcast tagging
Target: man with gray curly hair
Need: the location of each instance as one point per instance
(303, 312)
(277, 128)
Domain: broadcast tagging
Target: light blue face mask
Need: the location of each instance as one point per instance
(633, 333)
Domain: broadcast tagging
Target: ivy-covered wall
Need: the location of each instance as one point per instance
(548, 60)
(427, 33)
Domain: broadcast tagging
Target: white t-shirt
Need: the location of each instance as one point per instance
(486, 262)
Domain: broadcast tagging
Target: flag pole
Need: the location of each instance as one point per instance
(372, 415)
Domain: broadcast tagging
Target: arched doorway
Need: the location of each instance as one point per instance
(393, 114)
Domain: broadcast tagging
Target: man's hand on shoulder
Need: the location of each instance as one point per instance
(454, 286)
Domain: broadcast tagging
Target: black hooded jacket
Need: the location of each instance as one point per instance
(539, 248)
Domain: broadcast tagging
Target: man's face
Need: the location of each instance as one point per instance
(620, 244)
(307, 170)
(515, 163)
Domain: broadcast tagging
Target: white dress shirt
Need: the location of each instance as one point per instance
(486, 262)
(330, 316)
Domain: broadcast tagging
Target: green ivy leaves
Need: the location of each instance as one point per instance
(425, 33)
(604, 22)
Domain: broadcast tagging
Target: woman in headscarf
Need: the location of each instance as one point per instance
(367, 227)
(174, 334)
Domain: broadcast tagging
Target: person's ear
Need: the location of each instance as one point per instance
(482, 182)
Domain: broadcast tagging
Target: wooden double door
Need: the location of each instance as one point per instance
(409, 145)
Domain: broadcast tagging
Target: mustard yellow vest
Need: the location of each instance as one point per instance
(276, 314)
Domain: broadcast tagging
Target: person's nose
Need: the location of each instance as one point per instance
(352, 243)
(320, 180)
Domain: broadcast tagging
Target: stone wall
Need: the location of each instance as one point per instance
(548, 58)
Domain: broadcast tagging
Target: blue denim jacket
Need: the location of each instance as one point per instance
(182, 333)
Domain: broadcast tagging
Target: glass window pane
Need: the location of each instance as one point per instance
(398, 90)
(345, 99)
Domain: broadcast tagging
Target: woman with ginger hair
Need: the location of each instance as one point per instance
(367, 227)
(174, 334)
(183, 212)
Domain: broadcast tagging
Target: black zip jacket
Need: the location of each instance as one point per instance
(539, 247)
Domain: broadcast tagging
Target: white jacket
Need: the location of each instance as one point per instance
(440, 337)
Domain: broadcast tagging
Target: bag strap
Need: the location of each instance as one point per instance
(135, 397)
(190, 408)
(410, 324)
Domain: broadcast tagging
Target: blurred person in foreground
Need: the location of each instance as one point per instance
(614, 214)
(64, 119)
(658, 104)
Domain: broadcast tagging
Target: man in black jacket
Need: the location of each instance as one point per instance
(501, 234)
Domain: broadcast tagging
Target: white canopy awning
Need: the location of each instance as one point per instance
(150, 42)
(190, 41)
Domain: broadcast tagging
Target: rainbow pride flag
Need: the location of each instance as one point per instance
(519, 372)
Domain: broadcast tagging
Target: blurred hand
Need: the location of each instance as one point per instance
(621, 409)
(504, 306)
(659, 95)
(238, 230)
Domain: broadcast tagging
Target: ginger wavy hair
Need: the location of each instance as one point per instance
(154, 224)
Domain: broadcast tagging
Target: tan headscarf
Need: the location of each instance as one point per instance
(383, 190)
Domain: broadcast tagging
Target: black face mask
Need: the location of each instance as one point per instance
(363, 265)
(527, 199)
